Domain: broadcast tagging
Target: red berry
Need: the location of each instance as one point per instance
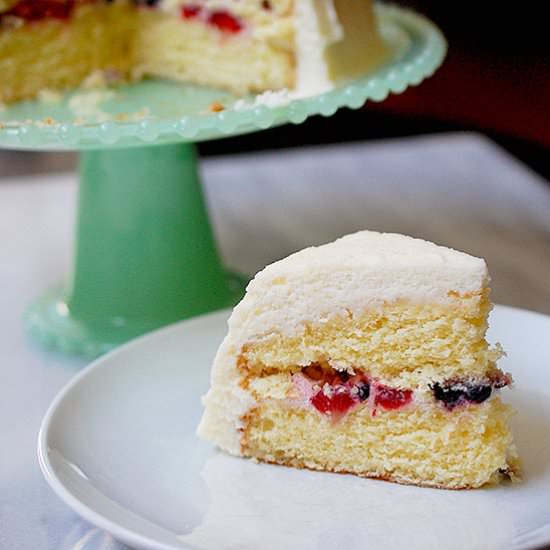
(341, 402)
(321, 402)
(225, 22)
(314, 371)
(190, 11)
(35, 10)
(390, 398)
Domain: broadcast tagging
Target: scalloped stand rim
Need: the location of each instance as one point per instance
(414, 60)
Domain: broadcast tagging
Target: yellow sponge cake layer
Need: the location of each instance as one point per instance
(192, 51)
(405, 343)
(240, 45)
(54, 54)
(427, 446)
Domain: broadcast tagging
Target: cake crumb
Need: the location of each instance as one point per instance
(269, 98)
(49, 96)
(102, 78)
(135, 116)
(95, 79)
(86, 105)
(10, 22)
(48, 121)
(216, 107)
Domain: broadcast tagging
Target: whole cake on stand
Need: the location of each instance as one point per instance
(145, 255)
(241, 45)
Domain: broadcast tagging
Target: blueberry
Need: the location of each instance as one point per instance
(149, 3)
(479, 393)
(363, 391)
(447, 394)
(454, 394)
(343, 375)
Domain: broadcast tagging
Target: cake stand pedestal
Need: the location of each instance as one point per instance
(145, 255)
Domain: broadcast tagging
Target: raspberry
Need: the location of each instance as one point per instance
(35, 10)
(341, 402)
(321, 402)
(390, 398)
(190, 11)
(225, 22)
(338, 404)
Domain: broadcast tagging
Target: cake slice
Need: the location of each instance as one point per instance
(367, 356)
(240, 45)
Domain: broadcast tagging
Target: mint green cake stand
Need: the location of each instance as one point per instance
(145, 254)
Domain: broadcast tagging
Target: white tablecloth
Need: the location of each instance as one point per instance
(459, 190)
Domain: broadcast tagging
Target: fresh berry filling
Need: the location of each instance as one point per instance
(147, 3)
(363, 391)
(221, 19)
(332, 392)
(337, 402)
(225, 22)
(336, 392)
(391, 398)
(190, 11)
(36, 10)
(454, 394)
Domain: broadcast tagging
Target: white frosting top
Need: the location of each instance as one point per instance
(353, 273)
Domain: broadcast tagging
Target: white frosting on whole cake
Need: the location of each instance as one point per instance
(356, 272)
(226, 402)
(312, 38)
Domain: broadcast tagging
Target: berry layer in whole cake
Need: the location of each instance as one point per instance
(368, 356)
(240, 45)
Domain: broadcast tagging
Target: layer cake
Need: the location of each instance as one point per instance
(367, 356)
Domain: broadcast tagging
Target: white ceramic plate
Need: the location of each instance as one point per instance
(118, 445)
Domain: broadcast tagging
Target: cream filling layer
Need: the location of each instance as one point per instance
(297, 390)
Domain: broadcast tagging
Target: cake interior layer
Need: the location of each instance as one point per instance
(56, 55)
(403, 343)
(426, 446)
(242, 46)
(192, 51)
(135, 43)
